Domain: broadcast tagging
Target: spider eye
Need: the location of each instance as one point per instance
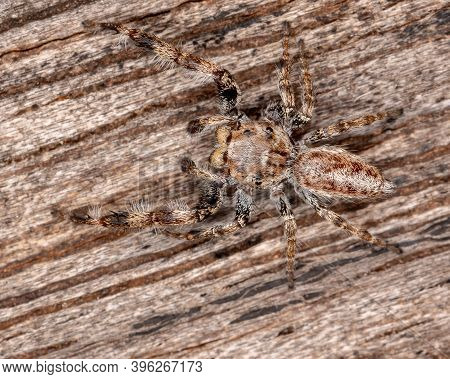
(257, 179)
(269, 132)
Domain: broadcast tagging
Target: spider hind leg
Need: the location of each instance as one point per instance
(290, 230)
(341, 223)
(209, 203)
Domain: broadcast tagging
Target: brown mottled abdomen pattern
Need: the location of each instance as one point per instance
(329, 171)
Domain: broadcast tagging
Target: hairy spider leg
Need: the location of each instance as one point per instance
(228, 89)
(244, 207)
(345, 225)
(308, 92)
(290, 229)
(284, 71)
(209, 203)
(341, 127)
(198, 125)
(293, 118)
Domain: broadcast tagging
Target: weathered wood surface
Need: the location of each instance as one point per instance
(86, 121)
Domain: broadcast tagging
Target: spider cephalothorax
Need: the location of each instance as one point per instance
(255, 154)
(260, 154)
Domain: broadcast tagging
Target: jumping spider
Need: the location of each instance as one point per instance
(260, 155)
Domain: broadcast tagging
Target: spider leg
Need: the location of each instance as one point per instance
(244, 205)
(341, 127)
(345, 225)
(290, 229)
(209, 203)
(284, 70)
(227, 87)
(294, 118)
(189, 167)
(199, 124)
(308, 92)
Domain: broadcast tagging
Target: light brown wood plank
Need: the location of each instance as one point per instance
(87, 120)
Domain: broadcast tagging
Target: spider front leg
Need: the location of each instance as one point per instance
(294, 118)
(308, 92)
(345, 225)
(228, 89)
(284, 84)
(290, 230)
(244, 205)
(342, 126)
(209, 203)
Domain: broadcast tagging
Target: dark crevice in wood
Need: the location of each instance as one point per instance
(186, 350)
(439, 227)
(39, 46)
(398, 330)
(259, 313)
(286, 331)
(161, 321)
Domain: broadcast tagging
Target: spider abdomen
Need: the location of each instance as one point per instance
(334, 172)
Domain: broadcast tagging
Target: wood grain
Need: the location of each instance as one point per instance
(87, 120)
